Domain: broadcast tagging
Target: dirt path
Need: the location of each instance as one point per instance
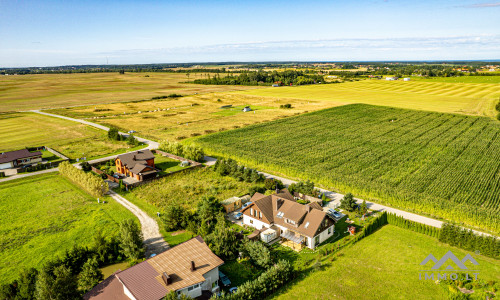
(153, 240)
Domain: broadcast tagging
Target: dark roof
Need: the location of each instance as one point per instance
(109, 289)
(18, 154)
(308, 217)
(136, 161)
(144, 280)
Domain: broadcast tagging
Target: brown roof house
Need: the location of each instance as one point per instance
(279, 215)
(189, 268)
(139, 164)
(19, 158)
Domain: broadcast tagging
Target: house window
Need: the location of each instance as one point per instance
(260, 215)
(215, 284)
(329, 230)
(251, 221)
(316, 240)
(251, 211)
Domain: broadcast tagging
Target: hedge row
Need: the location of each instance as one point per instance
(468, 240)
(90, 183)
(413, 226)
(264, 285)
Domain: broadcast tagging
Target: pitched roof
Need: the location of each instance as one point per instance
(109, 289)
(145, 280)
(308, 217)
(136, 161)
(6, 157)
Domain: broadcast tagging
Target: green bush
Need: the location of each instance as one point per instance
(90, 183)
(267, 283)
(191, 152)
(258, 253)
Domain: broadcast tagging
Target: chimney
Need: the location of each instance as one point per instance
(193, 267)
(307, 207)
(167, 279)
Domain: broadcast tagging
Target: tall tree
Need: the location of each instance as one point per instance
(27, 284)
(131, 240)
(56, 285)
(90, 275)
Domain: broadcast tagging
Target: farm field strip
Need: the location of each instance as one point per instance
(443, 165)
(468, 98)
(20, 130)
(63, 90)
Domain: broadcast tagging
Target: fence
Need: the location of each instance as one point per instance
(191, 162)
(94, 169)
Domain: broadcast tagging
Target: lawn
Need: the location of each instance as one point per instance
(20, 130)
(384, 265)
(472, 97)
(442, 165)
(45, 215)
(167, 164)
(63, 90)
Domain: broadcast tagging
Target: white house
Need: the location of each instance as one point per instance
(189, 268)
(406, 79)
(280, 216)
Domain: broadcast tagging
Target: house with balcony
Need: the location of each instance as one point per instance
(139, 165)
(189, 268)
(280, 216)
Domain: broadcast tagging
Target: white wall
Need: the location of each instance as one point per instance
(6, 166)
(323, 236)
(256, 223)
(211, 277)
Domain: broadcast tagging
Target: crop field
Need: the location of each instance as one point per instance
(442, 165)
(466, 98)
(20, 130)
(26, 92)
(179, 118)
(384, 265)
(43, 216)
(463, 79)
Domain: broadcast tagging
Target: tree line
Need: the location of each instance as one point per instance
(93, 185)
(287, 77)
(190, 152)
(78, 270)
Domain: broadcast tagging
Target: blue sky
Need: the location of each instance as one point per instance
(48, 33)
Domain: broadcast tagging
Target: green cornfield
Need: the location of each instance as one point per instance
(442, 165)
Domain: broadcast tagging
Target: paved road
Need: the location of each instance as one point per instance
(22, 175)
(153, 240)
(151, 144)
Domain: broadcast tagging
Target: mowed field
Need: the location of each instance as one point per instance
(442, 165)
(43, 216)
(179, 118)
(384, 265)
(453, 97)
(26, 92)
(20, 130)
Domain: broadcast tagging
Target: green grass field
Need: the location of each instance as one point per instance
(43, 216)
(62, 90)
(384, 265)
(20, 130)
(442, 165)
(432, 95)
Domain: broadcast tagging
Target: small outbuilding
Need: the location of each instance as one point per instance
(406, 79)
(247, 108)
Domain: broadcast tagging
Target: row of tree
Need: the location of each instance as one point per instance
(114, 134)
(395, 220)
(229, 167)
(191, 152)
(468, 240)
(286, 77)
(94, 185)
(78, 270)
